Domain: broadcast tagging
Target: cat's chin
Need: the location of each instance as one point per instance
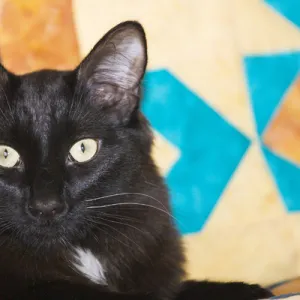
(43, 239)
(45, 243)
(49, 235)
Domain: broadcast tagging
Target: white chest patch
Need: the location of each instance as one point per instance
(89, 265)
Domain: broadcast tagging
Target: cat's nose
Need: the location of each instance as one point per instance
(47, 209)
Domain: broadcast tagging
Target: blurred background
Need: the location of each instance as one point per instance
(222, 93)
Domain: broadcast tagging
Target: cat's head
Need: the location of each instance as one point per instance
(73, 141)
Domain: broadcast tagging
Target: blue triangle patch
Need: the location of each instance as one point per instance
(268, 78)
(288, 8)
(287, 178)
(210, 147)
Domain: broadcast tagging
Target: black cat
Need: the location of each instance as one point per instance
(84, 213)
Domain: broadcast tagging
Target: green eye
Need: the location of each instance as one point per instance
(84, 150)
(8, 157)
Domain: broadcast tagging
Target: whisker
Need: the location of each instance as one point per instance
(128, 238)
(101, 223)
(126, 194)
(119, 217)
(121, 223)
(154, 185)
(119, 241)
(134, 203)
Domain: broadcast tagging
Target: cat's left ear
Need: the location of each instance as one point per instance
(113, 71)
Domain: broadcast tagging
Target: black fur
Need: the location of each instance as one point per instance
(42, 114)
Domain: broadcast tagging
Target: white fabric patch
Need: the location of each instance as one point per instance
(89, 265)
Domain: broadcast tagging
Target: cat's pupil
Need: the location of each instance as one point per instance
(5, 153)
(82, 147)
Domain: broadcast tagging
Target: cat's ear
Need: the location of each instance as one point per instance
(113, 70)
(119, 58)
